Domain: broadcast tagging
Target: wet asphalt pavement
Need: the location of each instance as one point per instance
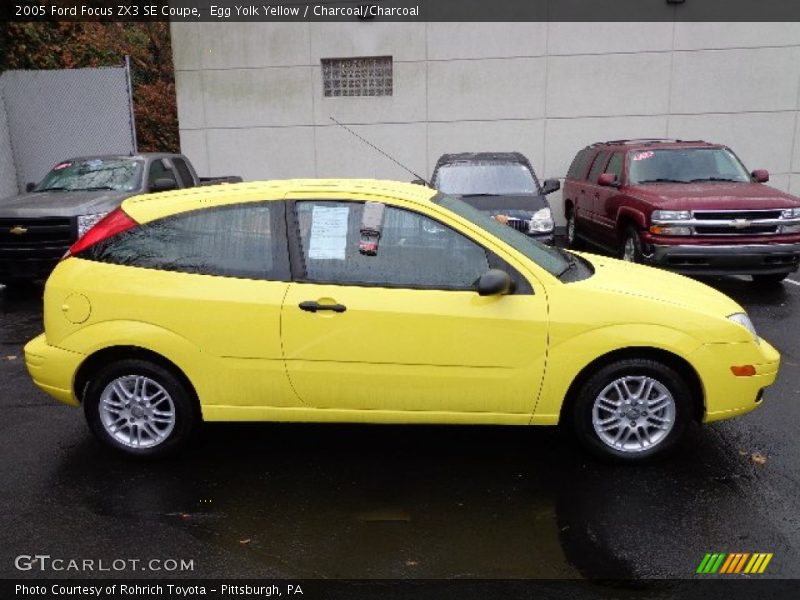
(309, 501)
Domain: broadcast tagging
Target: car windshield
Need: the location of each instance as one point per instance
(554, 261)
(120, 174)
(490, 178)
(685, 165)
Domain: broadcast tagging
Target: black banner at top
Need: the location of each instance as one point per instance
(400, 10)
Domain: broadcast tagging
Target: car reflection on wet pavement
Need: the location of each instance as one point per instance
(357, 501)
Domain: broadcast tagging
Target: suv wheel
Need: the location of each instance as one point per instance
(140, 408)
(631, 246)
(632, 410)
(769, 280)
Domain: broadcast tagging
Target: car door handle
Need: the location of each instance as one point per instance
(311, 306)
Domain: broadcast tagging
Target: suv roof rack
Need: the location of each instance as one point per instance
(645, 141)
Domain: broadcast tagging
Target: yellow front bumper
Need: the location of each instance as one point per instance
(53, 369)
(727, 395)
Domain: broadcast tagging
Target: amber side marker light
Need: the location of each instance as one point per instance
(744, 370)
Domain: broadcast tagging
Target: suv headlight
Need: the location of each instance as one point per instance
(743, 320)
(791, 213)
(670, 215)
(660, 216)
(86, 222)
(541, 221)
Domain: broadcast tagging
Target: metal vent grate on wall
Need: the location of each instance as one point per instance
(362, 76)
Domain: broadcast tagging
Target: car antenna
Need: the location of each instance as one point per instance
(374, 147)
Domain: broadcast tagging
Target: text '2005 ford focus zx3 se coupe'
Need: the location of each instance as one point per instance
(380, 302)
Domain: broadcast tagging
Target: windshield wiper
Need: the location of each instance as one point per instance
(713, 179)
(478, 194)
(52, 189)
(663, 180)
(571, 262)
(97, 188)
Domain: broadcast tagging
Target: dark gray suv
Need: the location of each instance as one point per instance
(502, 184)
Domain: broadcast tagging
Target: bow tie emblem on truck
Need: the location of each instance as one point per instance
(18, 230)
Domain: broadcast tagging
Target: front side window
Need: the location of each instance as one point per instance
(414, 251)
(120, 174)
(245, 241)
(597, 166)
(686, 165)
(615, 165)
(485, 178)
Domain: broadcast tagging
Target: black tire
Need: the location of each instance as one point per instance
(769, 280)
(583, 410)
(631, 236)
(180, 402)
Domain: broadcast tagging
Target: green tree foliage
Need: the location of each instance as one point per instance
(76, 45)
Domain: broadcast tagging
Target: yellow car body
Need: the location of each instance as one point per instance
(397, 355)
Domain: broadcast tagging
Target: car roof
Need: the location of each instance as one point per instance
(146, 207)
(138, 155)
(506, 157)
(650, 143)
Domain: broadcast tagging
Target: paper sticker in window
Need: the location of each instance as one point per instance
(643, 155)
(328, 233)
(61, 166)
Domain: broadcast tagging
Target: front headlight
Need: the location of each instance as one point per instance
(791, 213)
(743, 320)
(670, 215)
(86, 222)
(541, 221)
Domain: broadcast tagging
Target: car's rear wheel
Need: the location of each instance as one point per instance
(631, 246)
(140, 408)
(769, 280)
(632, 409)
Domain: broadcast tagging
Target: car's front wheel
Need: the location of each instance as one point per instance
(632, 409)
(140, 408)
(572, 237)
(631, 246)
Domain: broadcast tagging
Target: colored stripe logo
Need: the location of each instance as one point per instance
(737, 562)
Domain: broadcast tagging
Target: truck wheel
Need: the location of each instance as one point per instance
(631, 250)
(632, 410)
(140, 408)
(769, 280)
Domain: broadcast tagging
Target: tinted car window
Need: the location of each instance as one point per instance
(579, 164)
(487, 177)
(121, 174)
(414, 250)
(159, 171)
(597, 166)
(183, 171)
(246, 240)
(615, 165)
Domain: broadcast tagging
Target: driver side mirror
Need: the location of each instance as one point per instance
(163, 184)
(29, 186)
(760, 175)
(495, 283)
(608, 180)
(550, 186)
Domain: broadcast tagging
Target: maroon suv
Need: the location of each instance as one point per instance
(691, 207)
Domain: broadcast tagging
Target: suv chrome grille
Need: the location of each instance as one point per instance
(35, 233)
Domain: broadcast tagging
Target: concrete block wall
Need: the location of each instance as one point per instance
(250, 96)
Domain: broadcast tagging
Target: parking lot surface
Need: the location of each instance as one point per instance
(307, 501)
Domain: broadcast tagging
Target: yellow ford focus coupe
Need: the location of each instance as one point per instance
(379, 302)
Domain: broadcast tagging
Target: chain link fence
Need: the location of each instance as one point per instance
(47, 116)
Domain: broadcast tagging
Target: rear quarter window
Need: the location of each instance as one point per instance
(245, 241)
